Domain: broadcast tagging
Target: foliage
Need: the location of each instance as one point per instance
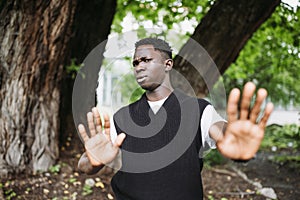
(282, 137)
(130, 89)
(165, 14)
(73, 69)
(292, 160)
(271, 58)
(10, 194)
(72, 180)
(87, 189)
(55, 168)
(285, 140)
(136, 94)
(213, 157)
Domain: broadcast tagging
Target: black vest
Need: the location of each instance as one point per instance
(160, 155)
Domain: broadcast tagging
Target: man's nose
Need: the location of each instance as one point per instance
(140, 67)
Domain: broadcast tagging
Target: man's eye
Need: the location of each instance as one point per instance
(146, 60)
(135, 63)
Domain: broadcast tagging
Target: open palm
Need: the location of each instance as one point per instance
(245, 131)
(99, 147)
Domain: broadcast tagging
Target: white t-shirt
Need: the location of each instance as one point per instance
(209, 117)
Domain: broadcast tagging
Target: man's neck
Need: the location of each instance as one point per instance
(159, 94)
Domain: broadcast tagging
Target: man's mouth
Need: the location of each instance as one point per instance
(140, 79)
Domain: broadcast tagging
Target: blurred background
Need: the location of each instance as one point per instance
(44, 50)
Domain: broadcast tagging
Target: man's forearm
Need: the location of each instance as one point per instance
(85, 166)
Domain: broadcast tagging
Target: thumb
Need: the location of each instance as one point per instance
(119, 140)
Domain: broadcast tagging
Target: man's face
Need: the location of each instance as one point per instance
(149, 67)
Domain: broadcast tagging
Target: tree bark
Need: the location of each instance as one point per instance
(92, 25)
(37, 39)
(223, 32)
(33, 44)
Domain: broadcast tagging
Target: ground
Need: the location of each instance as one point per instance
(63, 181)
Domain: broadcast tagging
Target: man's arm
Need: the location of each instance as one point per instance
(240, 138)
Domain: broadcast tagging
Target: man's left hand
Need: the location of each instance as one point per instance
(245, 131)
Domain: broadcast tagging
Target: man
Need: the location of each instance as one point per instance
(193, 121)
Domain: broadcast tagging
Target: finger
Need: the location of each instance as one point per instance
(97, 120)
(119, 140)
(83, 133)
(261, 95)
(268, 110)
(248, 92)
(106, 125)
(91, 124)
(232, 105)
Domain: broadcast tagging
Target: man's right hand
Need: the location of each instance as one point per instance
(99, 148)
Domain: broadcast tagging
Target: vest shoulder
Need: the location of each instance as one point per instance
(183, 97)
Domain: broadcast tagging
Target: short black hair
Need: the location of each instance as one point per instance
(158, 44)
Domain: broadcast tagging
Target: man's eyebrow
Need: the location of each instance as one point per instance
(141, 58)
(138, 60)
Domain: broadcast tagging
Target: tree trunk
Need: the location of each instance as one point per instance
(223, 32)
(33, 44)
(36, 38)
(92, 25)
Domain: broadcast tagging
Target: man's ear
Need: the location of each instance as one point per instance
(168, 64)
